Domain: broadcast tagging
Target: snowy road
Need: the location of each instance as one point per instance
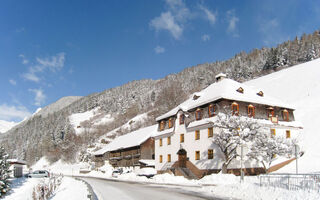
(114, 190)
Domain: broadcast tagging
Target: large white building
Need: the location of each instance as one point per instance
(185, 133)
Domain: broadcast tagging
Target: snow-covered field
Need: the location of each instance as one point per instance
(299, 86)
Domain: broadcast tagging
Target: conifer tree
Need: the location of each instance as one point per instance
(4, 172)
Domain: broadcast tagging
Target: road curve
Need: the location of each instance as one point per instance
(114, 190)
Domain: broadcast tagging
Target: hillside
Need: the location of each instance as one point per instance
(299, 86)
(52, 132)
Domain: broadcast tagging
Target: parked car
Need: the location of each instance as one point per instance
(117, 172)
(39, 174)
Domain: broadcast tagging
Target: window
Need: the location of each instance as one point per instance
(251, 111)
(210, 153)
(169, 158)
(181, 138)
(198, 114)
(211, 110)
(197, 156)
(162, 123)
(210, 132)
(235, 108)
(160, 142)
(169, 140)
(197, 135)
(273, 132)
(160, 158)
(270, 112)
(288, 134)
(285, 115)
(181, 119)
(170, 123)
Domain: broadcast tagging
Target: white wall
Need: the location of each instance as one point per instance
(203, 144)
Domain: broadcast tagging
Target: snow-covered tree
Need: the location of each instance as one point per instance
(234, 131)
(4, 172)
(266, 148)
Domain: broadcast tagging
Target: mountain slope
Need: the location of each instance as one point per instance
(299, 86)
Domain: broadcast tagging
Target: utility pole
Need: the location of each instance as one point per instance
(296, 150)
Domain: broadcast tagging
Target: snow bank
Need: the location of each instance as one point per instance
(22, 188)
(71, 189)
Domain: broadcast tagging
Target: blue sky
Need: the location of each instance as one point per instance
(51, 49)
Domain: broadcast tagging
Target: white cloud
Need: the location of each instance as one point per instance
(173, 19)
(39, 98)
(271, 31)
(53, 63)
(232, 20)
(205, 37)
(167, 22)
(24, 60)
(12, 82)
(212, 17)
(13, 112)
(159, 49)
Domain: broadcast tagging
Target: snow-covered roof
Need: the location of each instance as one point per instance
(16, 161)
(131, 139)
(147, 162)
(164, 132)
(226, 89)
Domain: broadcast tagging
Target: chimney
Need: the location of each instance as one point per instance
(220, 77)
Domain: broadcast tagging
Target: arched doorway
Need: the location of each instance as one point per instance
(182, 157)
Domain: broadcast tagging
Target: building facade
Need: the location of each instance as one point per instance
(187, 131)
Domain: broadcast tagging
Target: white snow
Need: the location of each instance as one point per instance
(77, 118)
(5, 125)
(226, 89)
(132, 139)
(299, 86)
(71, 189)
(22, 188)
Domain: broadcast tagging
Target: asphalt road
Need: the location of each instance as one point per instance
(114, 190)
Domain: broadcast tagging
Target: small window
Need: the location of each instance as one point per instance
(197, 135)
(169, 158)
(240, 90)
(198, 114)
(235, 108)
(169, 140)
(197, 156)
(288, 134)
(273, 132)
(160, 142)
(210, 153)
(210, 132)
(211, 110)
(251, 111)
(181, 138)
(160, 158)
(181, 119)
(285, 115)
(270, 112)
(170, 123)
(162, 124)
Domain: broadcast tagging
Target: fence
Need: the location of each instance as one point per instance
(292, 181)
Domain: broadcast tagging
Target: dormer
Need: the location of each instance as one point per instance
(240, 90)
(260, 93)
(220, 77)
(195, 97)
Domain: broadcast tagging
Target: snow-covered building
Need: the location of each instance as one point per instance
(133, 149)
(185, 134)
